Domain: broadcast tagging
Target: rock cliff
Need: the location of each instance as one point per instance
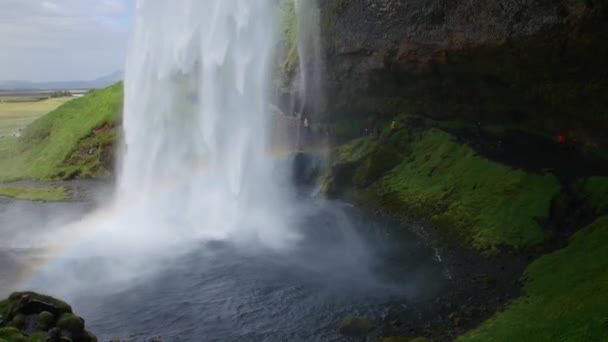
(537, 65)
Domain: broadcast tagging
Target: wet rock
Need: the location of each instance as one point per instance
(403, 339)
(307, 168)
(11, 334)
(356, 326)
(28, 303)
(45, 320)
(34, 317)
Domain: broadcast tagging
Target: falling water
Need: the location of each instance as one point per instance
(309, 88)
(196, 109)
(202, 240)
(196, 166)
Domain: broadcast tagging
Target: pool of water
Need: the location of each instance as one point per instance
(347, 263)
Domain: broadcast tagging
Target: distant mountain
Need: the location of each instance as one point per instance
(101, 82)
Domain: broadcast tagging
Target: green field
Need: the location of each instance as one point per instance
(19, 114)
(57, 145)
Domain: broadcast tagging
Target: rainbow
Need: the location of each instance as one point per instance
(73, 233)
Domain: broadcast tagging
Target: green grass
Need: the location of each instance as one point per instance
(596, 191)
(47, 147)
(566, 297)
(485, 204)
(37, 194)
(355, 150)
(15, 115)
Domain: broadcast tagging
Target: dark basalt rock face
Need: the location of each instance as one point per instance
(533, 64)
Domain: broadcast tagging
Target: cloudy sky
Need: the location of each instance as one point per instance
(63, 40)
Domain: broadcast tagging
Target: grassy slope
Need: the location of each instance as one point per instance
(36, 194)
(566, 297)
(52, 146)
(15, 115)
(485, 204)
(596, 191)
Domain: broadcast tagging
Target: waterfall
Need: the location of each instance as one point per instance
(196, 165)
(197, 111)
(309, 87)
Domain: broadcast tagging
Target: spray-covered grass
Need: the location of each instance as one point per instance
(566, 297)
(483, 203)
(596, 191)
(355, 150)
(44, 150)
(36, 194)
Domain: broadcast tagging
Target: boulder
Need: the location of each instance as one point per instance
(356, 326)
(28, 316)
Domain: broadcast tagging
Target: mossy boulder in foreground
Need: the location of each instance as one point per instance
(31, 317)
(356, 326)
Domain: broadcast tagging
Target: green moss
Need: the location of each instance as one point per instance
(484, 203)
(355, 150)
(566, 297)
(45, 321)
(71, 323)
(403, 339)
(44, 149)
(92, 338)
(17, 322)
(384, 158)
(356, 326)
(5, 306)
(11, 334)
(37, 194)
(37, 337)
(14, 298)
(596, 191)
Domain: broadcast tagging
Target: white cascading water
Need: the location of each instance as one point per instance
(309, 86)
(196, 165)
(196, 113)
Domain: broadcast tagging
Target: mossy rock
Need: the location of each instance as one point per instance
(33, 303)
(375, 165)
(71, 323)
(18, 322)
(45, 321)
(91, 336)
(403, 339)
(11, 334)
(37, 337)
(595, 190)
(356, 326)
(340, 178)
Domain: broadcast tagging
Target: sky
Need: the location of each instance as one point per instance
(63, 40)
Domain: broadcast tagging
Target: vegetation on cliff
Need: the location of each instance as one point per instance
(484, 203)
(565, 295)
(75, 140)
